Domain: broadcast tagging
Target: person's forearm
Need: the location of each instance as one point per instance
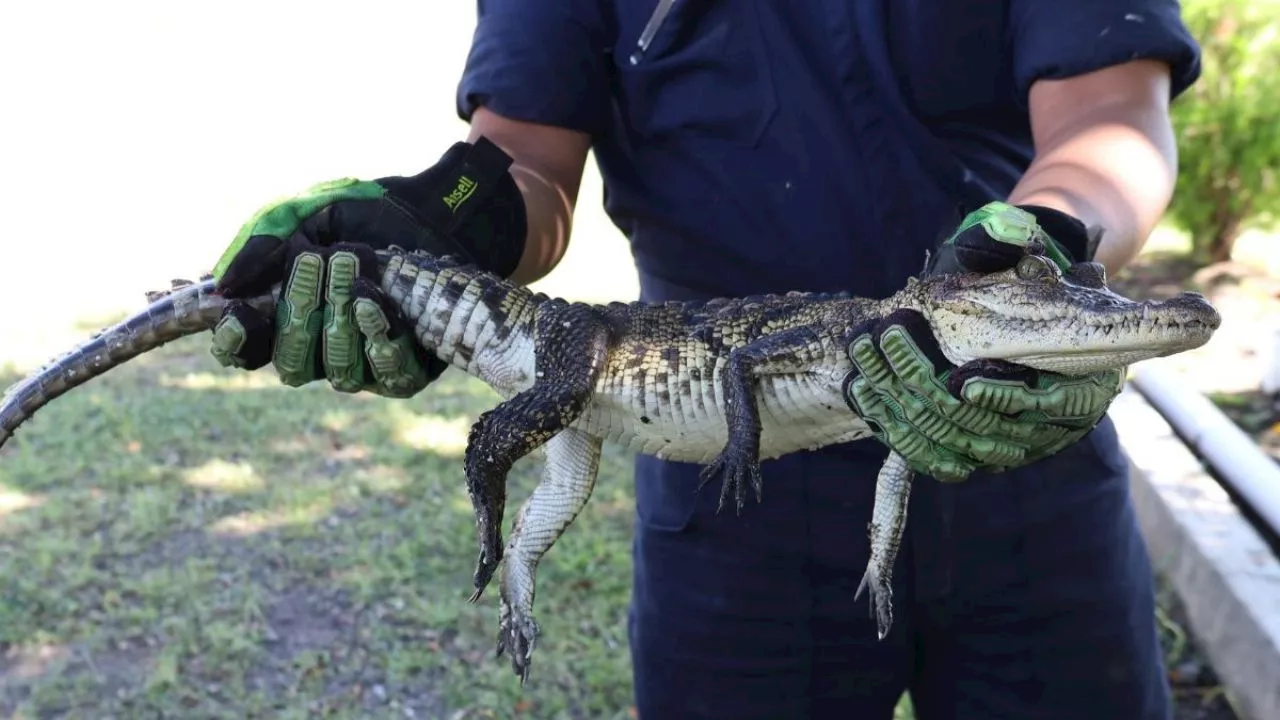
(1112, 165)
(549, 212)
(547, 164)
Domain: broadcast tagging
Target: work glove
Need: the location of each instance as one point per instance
(332, 320)
(948, 421)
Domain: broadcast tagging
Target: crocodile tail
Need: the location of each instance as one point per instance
(192, 308)
(187, 309)
(474, 320)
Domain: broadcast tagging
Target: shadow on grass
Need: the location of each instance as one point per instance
(172, 544)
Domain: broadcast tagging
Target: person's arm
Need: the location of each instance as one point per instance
(1105, 153)
(1097, 78)
(536, 84)
(547, 167)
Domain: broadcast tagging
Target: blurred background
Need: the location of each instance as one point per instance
(139, 136)
(173, 544)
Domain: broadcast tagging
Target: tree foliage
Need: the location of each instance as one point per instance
(1228, 126)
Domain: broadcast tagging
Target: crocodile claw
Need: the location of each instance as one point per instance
(881, 599)
(490, 555)
(483, 574)
(517, 636)
(738, 470)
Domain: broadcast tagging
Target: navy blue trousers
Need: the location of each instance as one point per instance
(1024, 595)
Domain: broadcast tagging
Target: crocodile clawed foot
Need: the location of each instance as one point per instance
(517, 637)
(485, 569)
(738, 470)
(881, 599)
(487, 562)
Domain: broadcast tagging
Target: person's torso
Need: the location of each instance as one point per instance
(760, 146)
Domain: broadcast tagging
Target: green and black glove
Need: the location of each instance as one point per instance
(332, 320)
(949, 421)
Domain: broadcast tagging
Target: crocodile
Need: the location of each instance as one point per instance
(725, 383)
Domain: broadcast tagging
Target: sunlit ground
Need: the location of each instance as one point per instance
(194, 542)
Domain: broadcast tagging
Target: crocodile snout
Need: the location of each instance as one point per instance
(1189, 308)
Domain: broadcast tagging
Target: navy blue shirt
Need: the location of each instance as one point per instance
(764, 146)
(774, 145)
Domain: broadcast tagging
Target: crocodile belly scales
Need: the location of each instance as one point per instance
(664, 399)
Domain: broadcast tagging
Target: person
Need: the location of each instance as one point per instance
(755, 147)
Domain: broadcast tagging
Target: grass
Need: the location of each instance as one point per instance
(182, 540)
(177, 540)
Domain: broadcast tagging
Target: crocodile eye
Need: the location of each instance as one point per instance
(1035, 267)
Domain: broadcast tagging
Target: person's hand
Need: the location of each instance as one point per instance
(995, 236)
(949, 421)
(332, 320)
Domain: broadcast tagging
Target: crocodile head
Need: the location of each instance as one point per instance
(1037, 316)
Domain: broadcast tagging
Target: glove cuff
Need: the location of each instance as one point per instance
(1069, 233)
(471, 205)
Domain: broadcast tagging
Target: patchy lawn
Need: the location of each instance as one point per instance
(182, 541)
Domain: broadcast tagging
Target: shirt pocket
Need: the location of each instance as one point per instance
(704, 74)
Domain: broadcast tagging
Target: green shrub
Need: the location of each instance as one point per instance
(1228, 126)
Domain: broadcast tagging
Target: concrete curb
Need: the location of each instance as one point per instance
(1225, 575)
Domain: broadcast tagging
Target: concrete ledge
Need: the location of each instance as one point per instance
(1224, 573)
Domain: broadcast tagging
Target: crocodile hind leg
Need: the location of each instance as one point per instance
(888, 521)
(788, 351)
(568, 477)
(570, 346)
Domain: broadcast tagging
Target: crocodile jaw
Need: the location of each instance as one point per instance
(1070, 324)
(1085, 343)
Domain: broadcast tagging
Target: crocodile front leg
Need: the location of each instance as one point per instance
(571, 345)
(888, 521)
(790, 351)
(568, 477)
